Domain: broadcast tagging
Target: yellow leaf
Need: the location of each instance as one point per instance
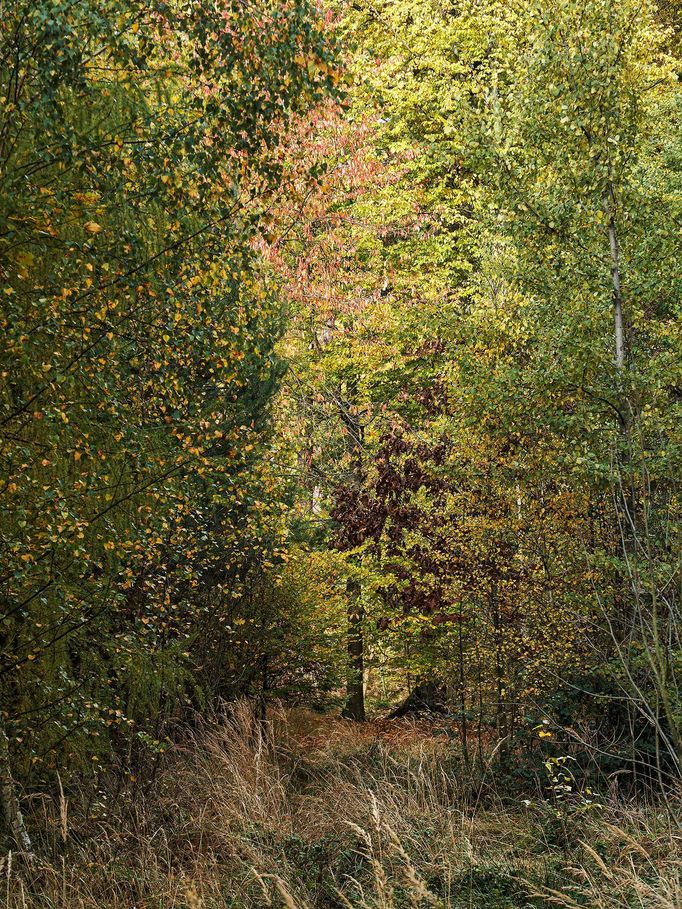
(25, 258)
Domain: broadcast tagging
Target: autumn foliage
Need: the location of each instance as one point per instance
(340, 367)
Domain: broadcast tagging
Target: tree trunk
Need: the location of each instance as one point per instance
(500, 681)
(619, 325)
(355, 686)
(464, 731)
(11, 809)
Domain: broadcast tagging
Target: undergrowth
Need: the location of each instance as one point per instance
(315, 813)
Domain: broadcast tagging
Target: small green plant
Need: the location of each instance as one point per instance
(570, 796)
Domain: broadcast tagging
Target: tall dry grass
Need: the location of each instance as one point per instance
(314, 813)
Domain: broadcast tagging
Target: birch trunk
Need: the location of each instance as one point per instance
(11, 809)
(619, 327)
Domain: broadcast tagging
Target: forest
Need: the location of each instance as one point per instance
(341, 454)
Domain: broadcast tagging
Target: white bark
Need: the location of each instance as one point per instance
(617, 295)
(614, 246)
(10, 802)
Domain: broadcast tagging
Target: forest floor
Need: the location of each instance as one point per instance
(320, 813)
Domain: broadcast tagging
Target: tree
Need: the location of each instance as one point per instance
(582, 203)
(140, 147)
